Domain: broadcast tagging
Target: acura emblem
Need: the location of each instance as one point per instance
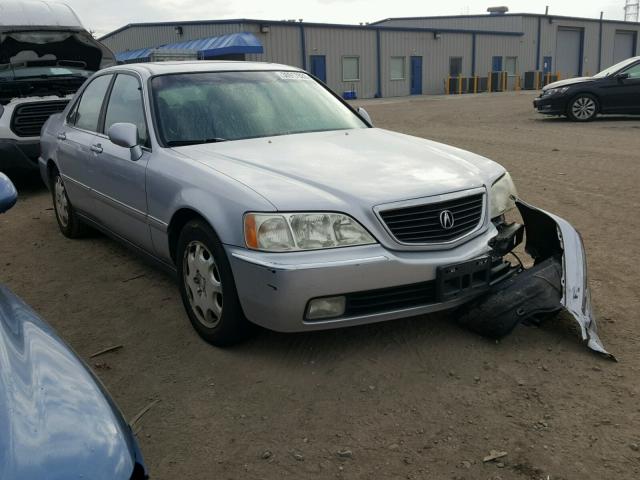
(446, 219)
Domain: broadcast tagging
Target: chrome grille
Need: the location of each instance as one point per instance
(28, 118)
(422, 224)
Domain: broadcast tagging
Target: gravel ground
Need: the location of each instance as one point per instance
(417, 398)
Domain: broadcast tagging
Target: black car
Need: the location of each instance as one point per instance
(614, 90)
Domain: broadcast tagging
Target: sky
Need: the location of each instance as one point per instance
(104, 16)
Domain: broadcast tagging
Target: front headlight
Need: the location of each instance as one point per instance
(287, 232)
(555, 91)
(503, 196)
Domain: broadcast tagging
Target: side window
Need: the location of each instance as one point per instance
(126, 106)
(88, 111)
(71, 117)
(634, 71)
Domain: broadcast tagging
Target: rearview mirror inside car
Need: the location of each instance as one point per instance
(364, 114)
(8, 193)
(126, 135)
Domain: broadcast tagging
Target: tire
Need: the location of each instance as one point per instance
(68, 221)
(207, 287)
(583, 108)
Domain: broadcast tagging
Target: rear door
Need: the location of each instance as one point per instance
(75, 158)
(119, 185)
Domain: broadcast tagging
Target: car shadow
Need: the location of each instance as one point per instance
(599, 119)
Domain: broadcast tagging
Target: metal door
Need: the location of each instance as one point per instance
(569, 52)
(496, 64)
(624, 46)
(416, 75)
(319, 67)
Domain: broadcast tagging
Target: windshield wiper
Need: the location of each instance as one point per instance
(181, 143)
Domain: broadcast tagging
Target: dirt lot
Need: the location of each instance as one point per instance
(419, 398)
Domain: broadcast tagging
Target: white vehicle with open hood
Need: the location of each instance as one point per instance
(45, 56)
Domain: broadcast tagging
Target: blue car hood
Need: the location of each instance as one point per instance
(56, 420)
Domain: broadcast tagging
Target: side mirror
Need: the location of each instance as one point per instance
(8, 193)
(622, 76)
(363, 113)
(126, 135)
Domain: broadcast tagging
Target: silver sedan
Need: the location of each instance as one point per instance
(278, 204)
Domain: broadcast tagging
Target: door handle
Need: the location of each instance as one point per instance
(97, 148)
(62, 136)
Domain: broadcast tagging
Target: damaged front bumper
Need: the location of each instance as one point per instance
(549, 236)
(377, 284)
(556, 281)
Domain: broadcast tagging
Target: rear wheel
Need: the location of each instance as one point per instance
(583, 108)
(207, 286)
(68, 221)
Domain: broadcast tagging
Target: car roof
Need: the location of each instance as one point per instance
(191, 66)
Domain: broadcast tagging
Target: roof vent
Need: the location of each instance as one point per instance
(497, 10)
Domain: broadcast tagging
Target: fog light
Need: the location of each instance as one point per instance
(328, 307)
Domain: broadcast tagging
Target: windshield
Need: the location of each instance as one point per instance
(205, 107)
(615, 68)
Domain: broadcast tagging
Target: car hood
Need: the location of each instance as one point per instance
(325, 170)
(57, 421)
(568, 82)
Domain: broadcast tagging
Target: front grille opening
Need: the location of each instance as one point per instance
(28, 118)
(422, 223)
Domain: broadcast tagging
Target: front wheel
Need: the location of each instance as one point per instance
(583, 108)
(207, 286)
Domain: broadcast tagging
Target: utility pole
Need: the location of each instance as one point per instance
(631, 10)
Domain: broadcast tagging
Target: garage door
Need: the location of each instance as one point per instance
(624, 46)
(568, 52)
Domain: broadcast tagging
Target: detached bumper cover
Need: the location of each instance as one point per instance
(549, 235)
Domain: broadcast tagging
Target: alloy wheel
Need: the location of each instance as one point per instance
(203, 284)
(584, 108)
(62, 203)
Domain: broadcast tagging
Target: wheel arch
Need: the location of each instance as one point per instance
(179, 219)
(589, 93)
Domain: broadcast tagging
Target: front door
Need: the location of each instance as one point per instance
(319, 67)
(74, 140)
(622, 95)
(119, 186)
(416, 75)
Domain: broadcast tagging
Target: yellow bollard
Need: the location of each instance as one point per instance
(475, 84)
(460, 84)
(489, 82)
(446, 85)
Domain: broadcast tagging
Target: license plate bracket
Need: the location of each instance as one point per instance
(464, 279)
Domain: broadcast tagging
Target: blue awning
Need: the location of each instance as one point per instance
(140, 55)
(206, 48)
(217, 46)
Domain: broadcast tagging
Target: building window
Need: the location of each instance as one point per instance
(350, 69)
(397, 68)
(511, 65)
(455, 66)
